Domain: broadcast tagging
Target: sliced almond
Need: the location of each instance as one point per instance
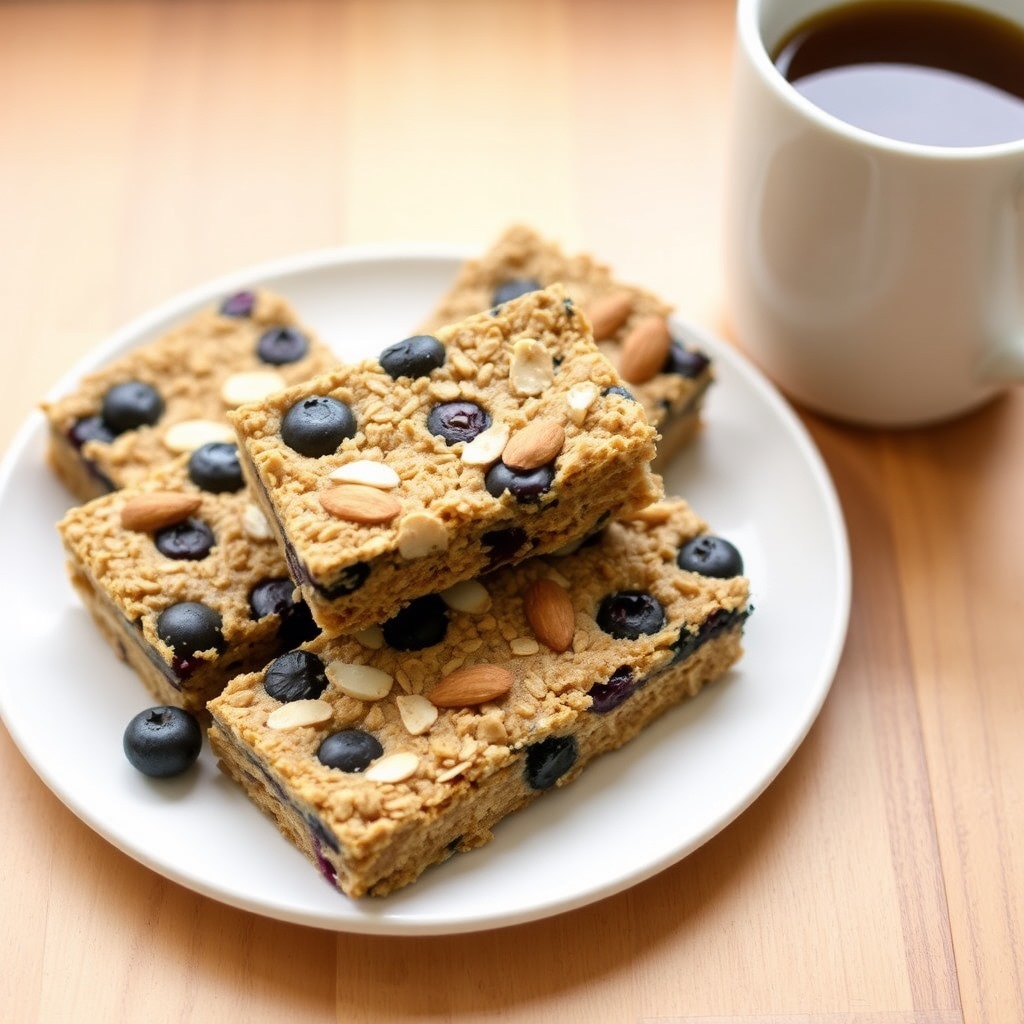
(393, 768)
(254, 523)
(531, 368)
(450, 773)
(363, 682)
(523, 646)
(580, 398)
(251, 386)
(360, 504)
(368, 472)
(421, 534)
(416, 712)
(645, 350)
(188, 435)
(487, 446)
(371, 638)
(609, 313)
(298, 713)
(535, 445)
(157, 509)
(474, 684)
(468, 596)
(550, 613)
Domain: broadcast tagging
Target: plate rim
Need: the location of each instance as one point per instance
(136, 331)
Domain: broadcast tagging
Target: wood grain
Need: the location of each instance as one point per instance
(148, 146)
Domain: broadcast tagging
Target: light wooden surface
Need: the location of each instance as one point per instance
(145, 147)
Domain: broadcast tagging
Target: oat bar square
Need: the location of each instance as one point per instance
(377, 761)
(171, 394)
(501, 437)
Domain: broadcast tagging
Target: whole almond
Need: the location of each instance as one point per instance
(609, 313)
(471, 685)
(550, 614)
(645, 350)
(535, 445)
(360, 504)
(157, 509)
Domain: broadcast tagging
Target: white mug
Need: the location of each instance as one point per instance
(876, 281)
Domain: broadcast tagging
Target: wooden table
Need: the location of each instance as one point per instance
(147, 147)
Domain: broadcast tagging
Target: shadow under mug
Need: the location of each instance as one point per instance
(876, 281)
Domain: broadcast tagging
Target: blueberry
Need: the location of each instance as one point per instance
(525, 485)
(189, 627)
(608, 696)
(458, 421)
(414, 357)
(316, 425)
(241, 304)
(130, 405)
(162, 741)
(89, 428)
(215, 467)
(350, 750)
(513, 288)
(618, 389)
(717, 623)
(505, 545)
(711, 556)
(297, 675)
(189, 540)
(277, 597)
(549, 760)
(685, 361)
(629, 614)
(421, 623)
(352, 577)
(280, 345)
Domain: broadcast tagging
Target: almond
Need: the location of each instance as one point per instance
(149, 512)
(531, 368)
(472, 685)
(360, 504)
(645, 350)
(535, 445)
(550, 613)
(609, 313)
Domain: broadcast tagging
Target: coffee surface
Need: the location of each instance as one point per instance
(919, 71)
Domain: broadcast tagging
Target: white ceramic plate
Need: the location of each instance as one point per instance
(752, 472)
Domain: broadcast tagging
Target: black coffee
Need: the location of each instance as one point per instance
(921, 71)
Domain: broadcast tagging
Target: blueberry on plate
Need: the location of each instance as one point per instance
(131, 404)
(458, 421)
(513, 288)
(630, 614)
(215, 467)
(241, 304)
(350, 750)
(711, 556)
(281, 345)
(162, 741)
(297, 675)
(316, 425)
(414, 357)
